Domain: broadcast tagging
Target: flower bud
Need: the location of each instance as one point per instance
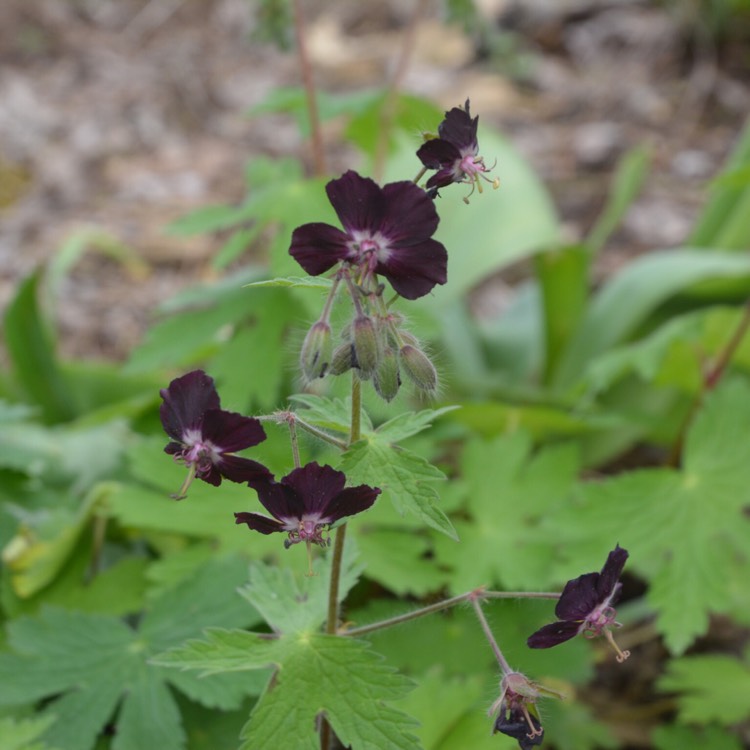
(342, 359)
(367, 347)
(418, 368)
(315, 355)
(386, 378)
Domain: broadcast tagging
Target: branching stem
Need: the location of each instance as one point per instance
(445, 604)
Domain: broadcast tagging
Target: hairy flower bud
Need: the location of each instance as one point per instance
(315, 355)
(418, 368)
(386, 378)
(342, 359)
(367, 347)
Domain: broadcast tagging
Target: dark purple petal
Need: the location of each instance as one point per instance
(350, 501)
(280, 501)
(460, 129)
(554, 634)
(579, 598)
(437, 153)
(358, 202)
(440, 179)
(243, 470)
(258, 522)
(411, 217)
(515, 725)
(186, 400)
(413, 271)
(230, 432)
(611, 572)
(211, 476)
(318, 247)
(173, 448)
(316, 485)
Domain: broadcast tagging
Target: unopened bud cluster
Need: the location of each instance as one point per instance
(374, 344)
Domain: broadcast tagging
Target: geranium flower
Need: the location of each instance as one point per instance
(454, 153)
(306, 502)
(387, 231)
(204, 436)
(586, 606)
(517, 715)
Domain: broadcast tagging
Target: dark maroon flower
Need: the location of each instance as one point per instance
(204, 436)
(517, 715)
(387, 231)
(454, 153)
(586, 606)
(306, 502)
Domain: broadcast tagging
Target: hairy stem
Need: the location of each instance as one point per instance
(319, 164)
(445, 604)
(488, 634)
(338, 548)
(295, 443)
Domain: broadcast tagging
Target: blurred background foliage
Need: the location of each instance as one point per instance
(584, 421)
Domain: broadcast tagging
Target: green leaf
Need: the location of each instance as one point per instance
(22, 734)
(37, 554)
(292, 605)
(32, 354)
(410, 423)
(563, 275)
(84, 665)
(402, 475)
(314, 673)
(630, 174)
(721, 223)
(333, 414)
(711, 687)
(681, 737)
(509, 494)
(686, 530)
(632, 295)
(397, 560)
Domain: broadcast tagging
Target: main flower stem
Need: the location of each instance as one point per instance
(338, 547)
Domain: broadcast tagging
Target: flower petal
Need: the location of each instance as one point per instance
(316, 485)
(349, 502)
(230, 432)
(437, 153)
(258, 522)
(579, 598)
(611, 572)
(318, 247)
(410, 217)
(186, 400)
(460, 129)
(358, 202)
(414, 270)
(280, 501)
(553, 634)
(242, 470)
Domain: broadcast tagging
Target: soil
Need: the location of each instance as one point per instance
(117, 116)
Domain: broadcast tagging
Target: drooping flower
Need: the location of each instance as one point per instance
(586, 606)
(306, 502)
(455, 152)
(516, 711)
(387, 231)
(204, 436)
